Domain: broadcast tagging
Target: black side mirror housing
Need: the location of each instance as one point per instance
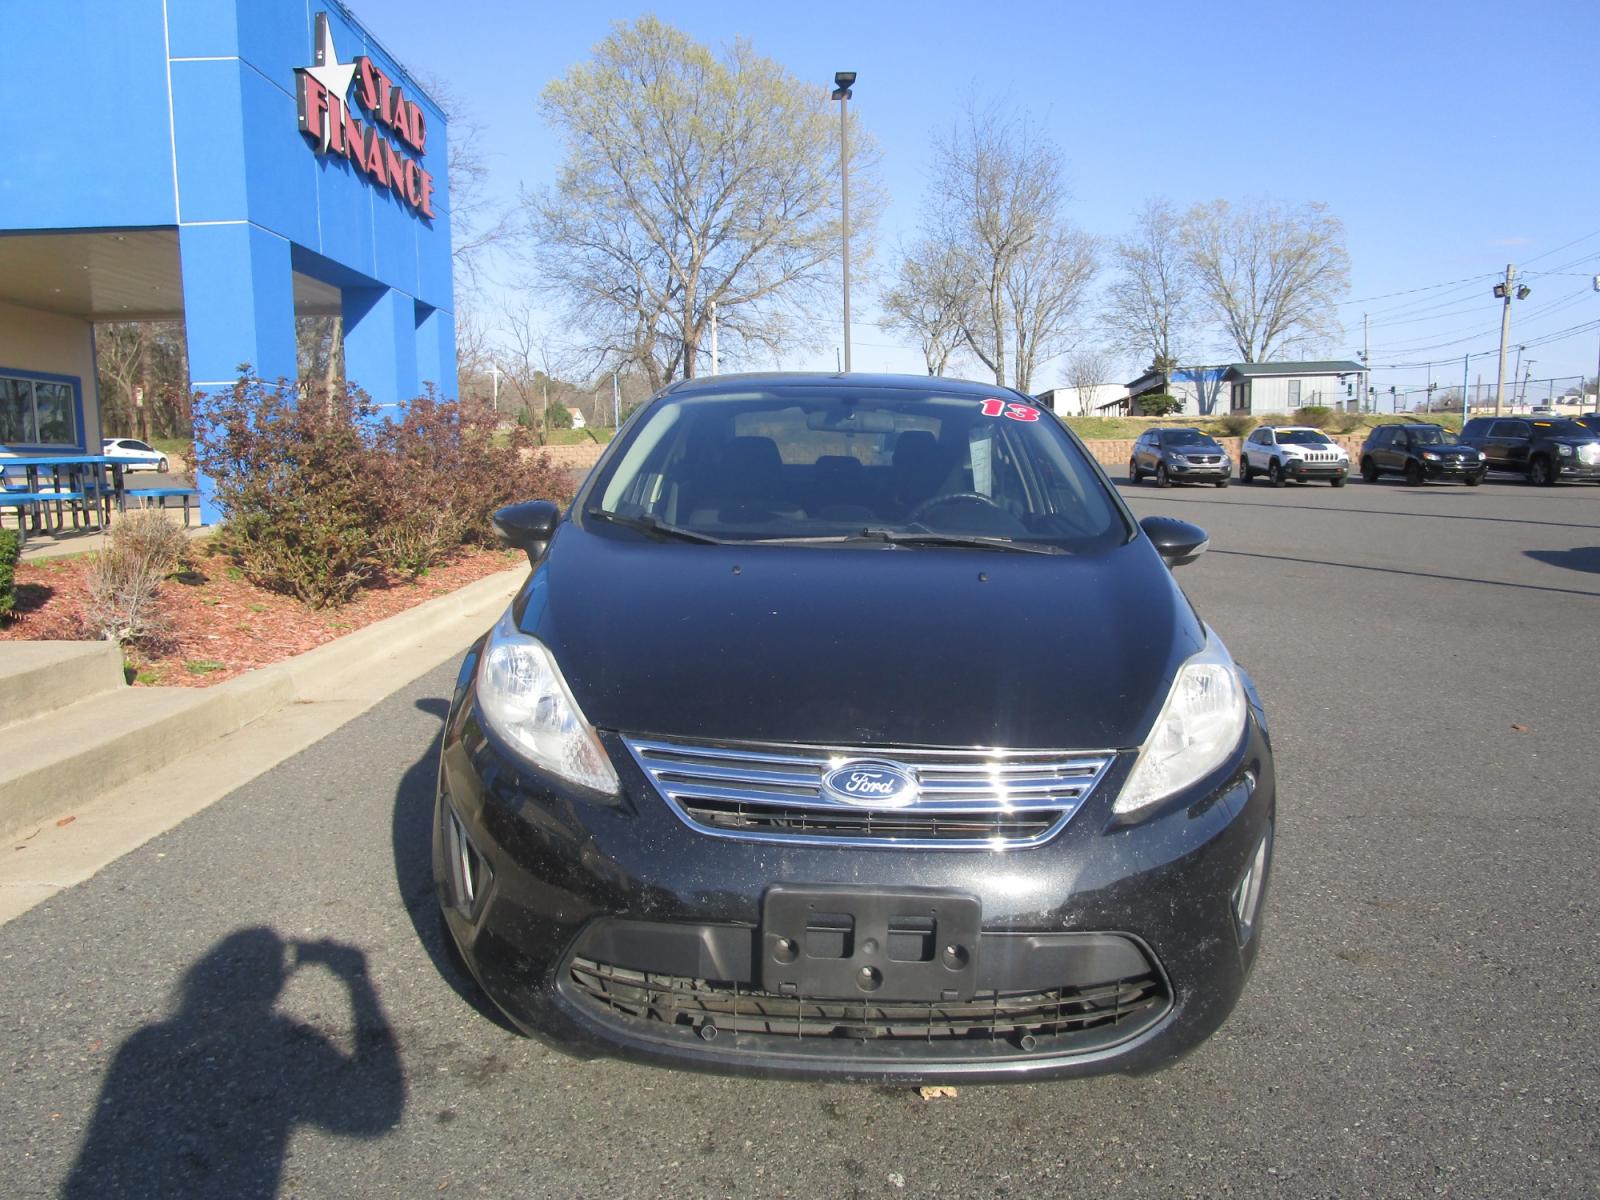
(1178, 542)
(527, 526)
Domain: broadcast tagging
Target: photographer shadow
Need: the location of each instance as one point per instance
(204, 1102)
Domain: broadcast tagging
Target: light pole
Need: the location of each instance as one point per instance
(843, 81)
(1506, 292)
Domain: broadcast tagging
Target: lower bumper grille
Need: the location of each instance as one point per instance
(1043, 1022)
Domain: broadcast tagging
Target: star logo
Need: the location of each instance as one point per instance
(332, 74)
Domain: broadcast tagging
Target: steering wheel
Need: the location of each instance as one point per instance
(933, 502)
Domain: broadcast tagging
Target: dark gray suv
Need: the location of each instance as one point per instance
(1545, 449)
(1185, 455)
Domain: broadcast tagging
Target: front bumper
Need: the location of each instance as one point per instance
(1299, 469)
(1206, 471)
(1569, 468)
(1450, 469)
(620, 930)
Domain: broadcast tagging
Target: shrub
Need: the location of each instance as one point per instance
(10, 551)
(1318, 416)
(294, 480)
(320, 499)
(1159, 405)
(1237, 424)
(125, 578)
(556, 416)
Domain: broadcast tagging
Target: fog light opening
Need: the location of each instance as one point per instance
(1247, 893)
(469, 870)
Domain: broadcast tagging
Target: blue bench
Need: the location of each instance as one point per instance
(161, 494)
(20, 501)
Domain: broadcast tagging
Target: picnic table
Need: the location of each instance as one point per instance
(79, 480)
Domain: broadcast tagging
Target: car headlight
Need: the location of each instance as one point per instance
(1291, 455)
(524, 699)
(1482, 456)
(1180, 460)
(1199, 726)
(1430, 456)
(1565, 451)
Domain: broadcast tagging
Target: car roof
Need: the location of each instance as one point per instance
(711, 385)
(1294, 428)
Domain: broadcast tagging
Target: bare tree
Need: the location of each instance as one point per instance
(1151, 303)
(1045, 289)
(921, 304)
(692, 179)
(1269, 274)
(1017, 267)
(1088, 370)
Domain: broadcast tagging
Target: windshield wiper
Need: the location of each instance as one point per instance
(653, 525)
(910, 537)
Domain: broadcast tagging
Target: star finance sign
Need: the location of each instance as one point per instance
(326, 118)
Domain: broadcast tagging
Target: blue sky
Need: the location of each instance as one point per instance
(1451, 138)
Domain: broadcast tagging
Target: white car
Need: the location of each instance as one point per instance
(150, 459)
(1285, 452)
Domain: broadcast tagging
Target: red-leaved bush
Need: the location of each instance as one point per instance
(321, 496)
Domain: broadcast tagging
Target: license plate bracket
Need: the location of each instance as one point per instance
(842, 943)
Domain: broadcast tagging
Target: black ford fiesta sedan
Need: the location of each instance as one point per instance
(851, 726)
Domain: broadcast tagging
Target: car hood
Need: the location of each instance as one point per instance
(891, 646)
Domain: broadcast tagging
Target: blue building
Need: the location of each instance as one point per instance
(231, 163)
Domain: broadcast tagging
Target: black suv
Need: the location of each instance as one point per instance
(1181, 454)
(1545, 449)
(1420, 452)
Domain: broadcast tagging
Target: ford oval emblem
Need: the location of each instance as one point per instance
(869, 783)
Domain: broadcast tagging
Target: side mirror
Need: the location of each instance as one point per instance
(1178, 542)
(528, 526)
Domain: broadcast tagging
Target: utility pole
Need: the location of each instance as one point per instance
(1506, 292)
(616, 394)
(716, 360)
(1366, 363)
(1466, 404)
(494, 374)
(1522, 394)
(843, 81)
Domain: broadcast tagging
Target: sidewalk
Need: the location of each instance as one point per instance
(194, 749)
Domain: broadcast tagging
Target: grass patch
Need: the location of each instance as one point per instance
(201, 666)
(579, 437)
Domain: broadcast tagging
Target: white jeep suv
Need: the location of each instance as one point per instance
(1285, 452)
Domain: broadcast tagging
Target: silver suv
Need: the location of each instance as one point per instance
(1299, 452)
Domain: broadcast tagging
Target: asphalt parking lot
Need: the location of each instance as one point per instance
(1422, 1021)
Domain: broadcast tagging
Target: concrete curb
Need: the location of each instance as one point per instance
(138, 731)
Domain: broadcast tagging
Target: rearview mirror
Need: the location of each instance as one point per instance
(1178, 542)
(849, 420)
(528, 526)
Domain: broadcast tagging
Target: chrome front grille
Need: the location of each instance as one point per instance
(966, 799)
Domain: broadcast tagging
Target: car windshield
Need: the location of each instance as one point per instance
(1301, 437)
(1185, 437)
(1561, 428)
(839, 463)
(1427, 435)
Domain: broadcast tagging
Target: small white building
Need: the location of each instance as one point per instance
(1285, 386)
(1261, 388)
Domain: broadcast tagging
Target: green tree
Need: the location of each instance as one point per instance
(691, 180)
(556, 416)
(1159, 405)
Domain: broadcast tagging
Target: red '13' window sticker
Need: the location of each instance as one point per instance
(1011, 409)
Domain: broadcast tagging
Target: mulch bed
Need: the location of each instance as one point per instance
(222, 625)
